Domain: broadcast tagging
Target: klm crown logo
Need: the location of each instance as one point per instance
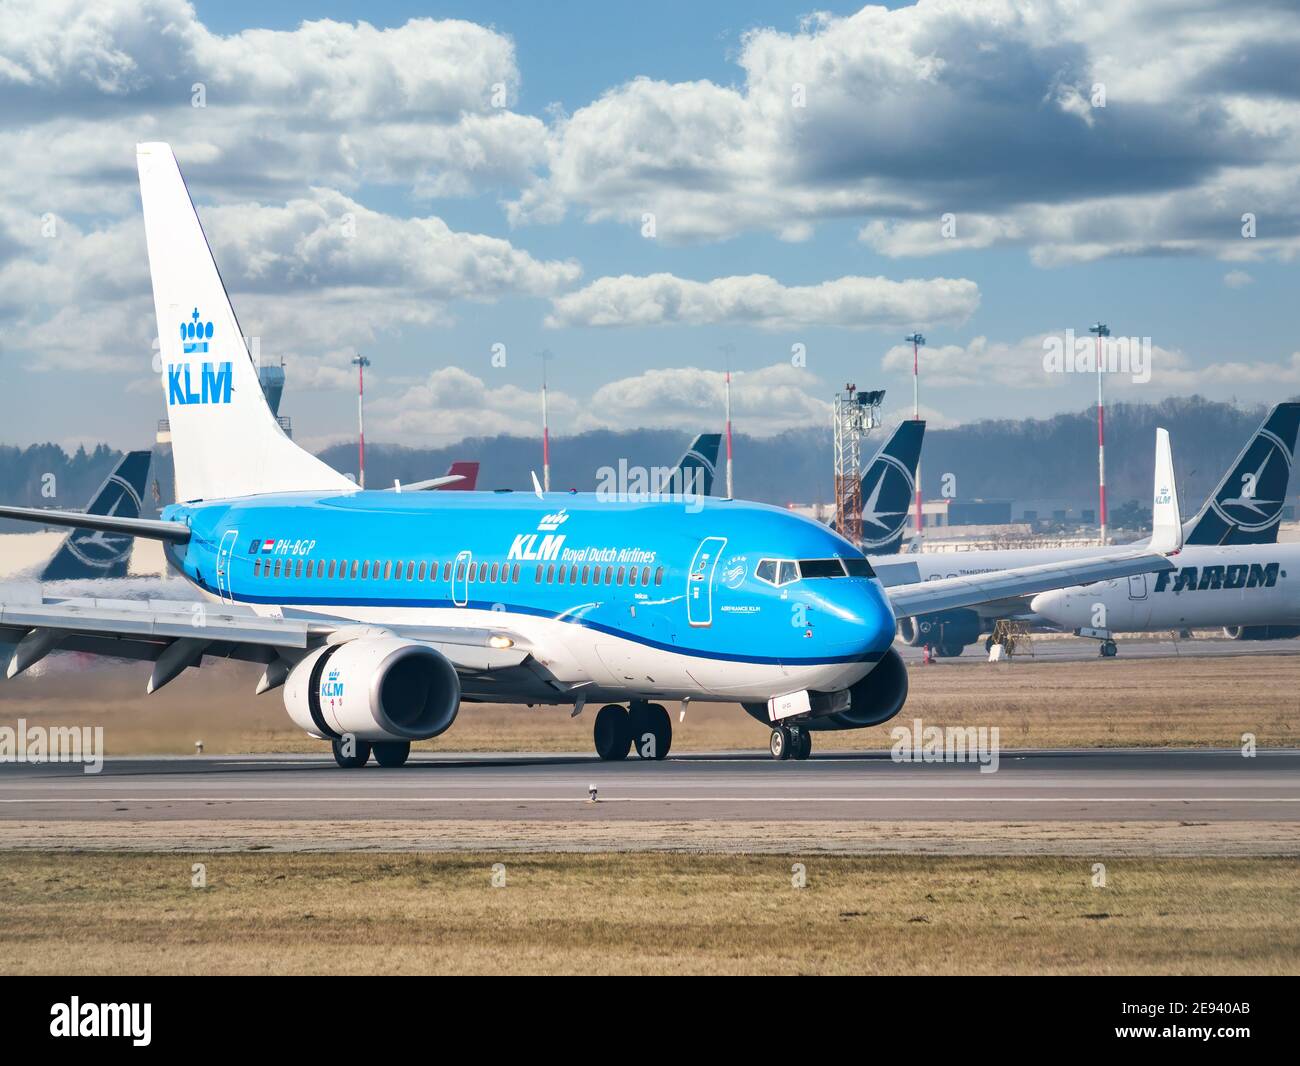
(214, 380)
(195, 334)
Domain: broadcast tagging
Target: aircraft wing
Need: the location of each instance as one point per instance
(928, 596)
(1166, 539)
(176, 634)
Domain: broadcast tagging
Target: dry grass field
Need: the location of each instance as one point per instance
(1176, 702)
(97, 913)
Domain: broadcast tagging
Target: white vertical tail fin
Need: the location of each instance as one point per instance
(1166, 520)
(225, 440)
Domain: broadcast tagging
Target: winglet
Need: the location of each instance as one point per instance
(1166, 521)
(537, 485)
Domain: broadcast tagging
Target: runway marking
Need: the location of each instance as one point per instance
(332, 800)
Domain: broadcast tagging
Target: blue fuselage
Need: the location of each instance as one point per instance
(710, 579)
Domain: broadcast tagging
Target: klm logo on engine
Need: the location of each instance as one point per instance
(331, 688)
(213, 384)
(1207, 578)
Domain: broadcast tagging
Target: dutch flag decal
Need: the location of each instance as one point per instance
(268, 546)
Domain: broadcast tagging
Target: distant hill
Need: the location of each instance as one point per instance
(991, 459)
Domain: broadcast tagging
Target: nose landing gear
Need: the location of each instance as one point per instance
(790, 742)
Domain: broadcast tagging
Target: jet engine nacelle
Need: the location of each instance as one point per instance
(1261, 632)
(959, 627)
(874, 699)
(375, 688)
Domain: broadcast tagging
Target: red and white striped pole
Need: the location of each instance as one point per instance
(546, 432)
(730, 494)
(917, 340)
(361, 362)
(1102, 330)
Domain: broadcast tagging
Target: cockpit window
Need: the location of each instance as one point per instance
(821, 568)
(777, 571)
(835, 568)
(859, 568)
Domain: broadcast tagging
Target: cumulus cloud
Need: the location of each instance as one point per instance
(451, 404)
(758, 300)
(1020, 365)
(424, 104)
(990, 111)
(307, 276)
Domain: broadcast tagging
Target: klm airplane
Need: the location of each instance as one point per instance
(379, 613)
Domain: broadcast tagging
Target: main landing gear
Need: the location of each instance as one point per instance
(790, 742)
(644, 728)
(1109, 649)
(358, 752)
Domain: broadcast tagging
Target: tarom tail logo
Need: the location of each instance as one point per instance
(1253, 499)
(101, 550)
(886, 507)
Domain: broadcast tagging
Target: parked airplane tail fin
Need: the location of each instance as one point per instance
(90, 553)
(225, 440)
(693, 474)
(1246, 506)
(467, 471)
(888, 488)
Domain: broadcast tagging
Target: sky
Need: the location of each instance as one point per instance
(652, 193)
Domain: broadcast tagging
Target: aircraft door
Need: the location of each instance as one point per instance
(460, 578)
(224, 552)
(1139, 603)
(699, 581)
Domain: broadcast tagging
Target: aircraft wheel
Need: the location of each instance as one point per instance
(802, 744)
(780, 742)
(359, 757)
(651, 730)
(392, 752)
(1109, 649)
(613, 733)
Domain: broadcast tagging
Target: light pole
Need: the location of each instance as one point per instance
(1102, 330)
(916, 340)
(361, 362)
(728, 350)
(545, 356)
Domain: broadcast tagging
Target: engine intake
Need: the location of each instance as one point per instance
(375, 688)
(874, 699)
(1261, 632)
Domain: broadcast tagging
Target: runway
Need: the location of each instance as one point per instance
(1077, 649)
(1095, 786)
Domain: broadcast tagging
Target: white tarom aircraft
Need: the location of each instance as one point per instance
(1236, 527)
(379, 612)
